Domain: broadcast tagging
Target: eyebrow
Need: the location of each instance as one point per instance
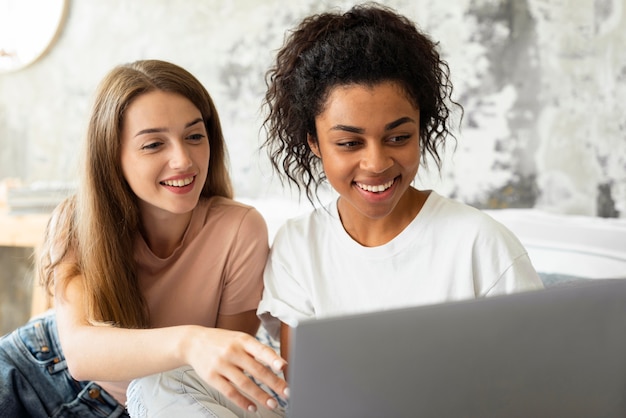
(388, 127)
(157, 130)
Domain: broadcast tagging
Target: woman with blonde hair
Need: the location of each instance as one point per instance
(152, 265)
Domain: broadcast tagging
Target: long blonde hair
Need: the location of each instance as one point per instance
(95, 230)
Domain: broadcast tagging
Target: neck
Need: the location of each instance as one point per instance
(164, 234)
(373, 232)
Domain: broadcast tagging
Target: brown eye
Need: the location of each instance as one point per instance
(196, 137)
(349, 144)
(151, 146)
(399, 139)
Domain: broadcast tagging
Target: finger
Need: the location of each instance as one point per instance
(262, 374)
(265, 354)
(250, 388)
(249, 355)
(226, 388)
(246, 348)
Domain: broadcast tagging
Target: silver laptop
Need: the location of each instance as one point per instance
(558, 352)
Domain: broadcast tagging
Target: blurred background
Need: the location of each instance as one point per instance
(543, 84)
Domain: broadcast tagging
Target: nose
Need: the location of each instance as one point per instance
(375, 159)
(180, 157)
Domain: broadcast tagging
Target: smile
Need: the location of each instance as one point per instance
(178, 183)
(375, 188)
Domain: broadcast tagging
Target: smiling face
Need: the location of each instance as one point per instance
(368, 141)
(165, 152)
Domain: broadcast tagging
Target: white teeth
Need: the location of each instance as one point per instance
(178, 183)
(377, 188)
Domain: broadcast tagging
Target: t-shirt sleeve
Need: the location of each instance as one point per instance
(243, 283)
(507, 261)
(285, 297)
(519, 277)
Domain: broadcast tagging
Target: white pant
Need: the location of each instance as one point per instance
(182, 393)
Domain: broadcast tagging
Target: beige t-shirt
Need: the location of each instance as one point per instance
(217, 269)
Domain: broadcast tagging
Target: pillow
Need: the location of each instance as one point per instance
(553, 279)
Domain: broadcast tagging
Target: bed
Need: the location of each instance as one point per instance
(563, 248)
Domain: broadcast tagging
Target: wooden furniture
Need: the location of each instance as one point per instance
(25, 230)
(21, 230)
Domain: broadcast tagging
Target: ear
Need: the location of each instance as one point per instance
(313, 145)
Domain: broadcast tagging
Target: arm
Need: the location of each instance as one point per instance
(246, 322)
(520, 276)
(219, 355)
(285, 344)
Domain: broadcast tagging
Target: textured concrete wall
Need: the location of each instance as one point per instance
(542, 82)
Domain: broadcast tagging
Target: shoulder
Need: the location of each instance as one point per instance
(228, 209)
(466, 222)
(59, 234)
(458, 213)
(309, 227)
(230, 216)
(220, 203)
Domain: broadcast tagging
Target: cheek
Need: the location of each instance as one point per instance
(127, 173)
(133, 181)
(418, 156)
(136, 172)
(207, 157)
(204, 168)
(328, 161)
(338, 168)
(412, 157)
(127, 162)
(201, 155)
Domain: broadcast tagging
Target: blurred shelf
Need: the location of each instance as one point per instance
(21, 229)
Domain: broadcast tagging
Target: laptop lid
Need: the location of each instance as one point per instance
(558, 352)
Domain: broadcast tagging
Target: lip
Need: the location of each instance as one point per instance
(373, 186)
(180, 177)
(180, 189)
(375, 197)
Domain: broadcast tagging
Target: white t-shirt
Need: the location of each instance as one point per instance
(450, 251)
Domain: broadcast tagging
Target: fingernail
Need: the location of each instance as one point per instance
(251, 408)
(286, 392)
(278, 365)
(271, 403)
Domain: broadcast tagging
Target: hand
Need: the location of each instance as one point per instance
(222, 358)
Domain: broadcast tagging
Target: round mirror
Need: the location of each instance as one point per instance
(27, 29)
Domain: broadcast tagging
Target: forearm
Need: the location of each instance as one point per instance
(125, 354)
(108, 353)
(246, 322)
(224, 358)
(104, 352)
(285, 344)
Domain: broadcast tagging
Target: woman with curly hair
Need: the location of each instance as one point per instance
(360, 100)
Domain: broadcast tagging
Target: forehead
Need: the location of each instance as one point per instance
(155, 99)
(363, 101)
(158, 108)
